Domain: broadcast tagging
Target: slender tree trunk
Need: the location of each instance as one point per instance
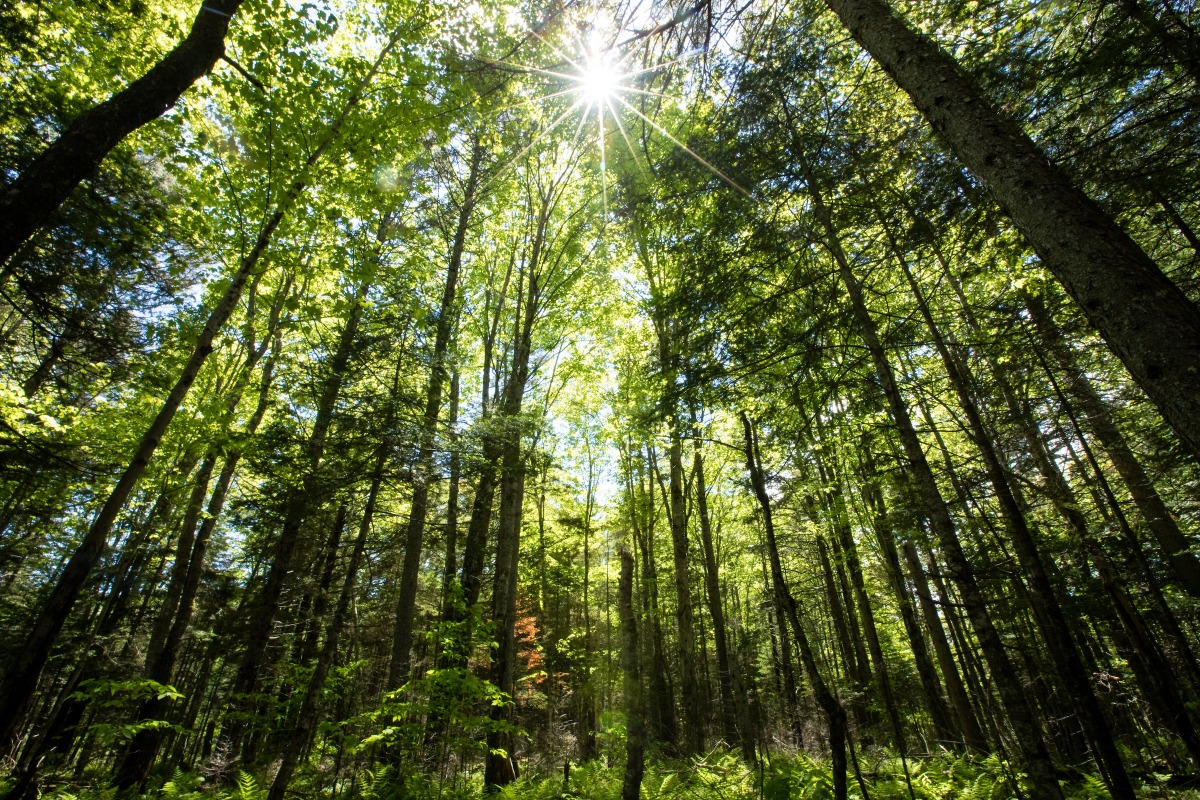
(423, 472)
(1146, 319)
(1175, 546)
(28, 202)
(635, 724)
(306, 722)
(451, 565)
(500, 767)
(1051, 620)
(301, 501)
(1038, 764)
(834, 712)
(725, 666)
(693, 734)
(23, 673)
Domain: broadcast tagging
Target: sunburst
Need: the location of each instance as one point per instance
(599, 83)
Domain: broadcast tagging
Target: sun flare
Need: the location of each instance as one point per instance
(600, 81)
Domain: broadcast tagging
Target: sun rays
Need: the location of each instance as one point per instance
(598, 83)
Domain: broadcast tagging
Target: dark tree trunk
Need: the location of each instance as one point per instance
(1051, 620)
(301, 501)
(834, 712)
(306, 722)
(726, 677)
(635, 724)
(22, 676)
(1175, 546)
(1042, 773)
(28, 203)
(1146, 319)
(423, 473)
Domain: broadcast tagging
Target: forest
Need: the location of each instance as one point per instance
(695, 399)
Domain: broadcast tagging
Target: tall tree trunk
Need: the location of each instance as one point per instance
(635, 724)
(301, 501)
(23, 673)
(1038, 764)
(306, 722)
(734, 732)
(135, 763)
(1146, 319)
(423, 473)
(693, 734)
(500, 767)
(1175, 546)
(1051, 620)
(28, 202)
(834, 712)
(960, 701)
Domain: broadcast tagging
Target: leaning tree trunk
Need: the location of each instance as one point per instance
(1145, 318)
(423, 472)
(1048, 613)
(301, 501)
(306, 722)
(23, 673)
(1037, 761)
(29, 201)
(1160, 521)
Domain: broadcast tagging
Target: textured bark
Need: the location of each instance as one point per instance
(726, 677)
(1160, 521)
(635, 723)
(306, 721)
(1146, 319)
(28, 203)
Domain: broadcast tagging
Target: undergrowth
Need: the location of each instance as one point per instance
(716, 776)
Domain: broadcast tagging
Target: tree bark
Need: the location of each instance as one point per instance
(834, 712)
(635, 724)
(29, 201)
(1145, 318)
(423, 473)
(1037, 761)
(1051, 620)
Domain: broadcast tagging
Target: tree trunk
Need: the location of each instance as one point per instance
(301, 500)
(1037, 761)
(635, 724)
(29, 201)
(423, 472)
(834, 712)
(306, 722)
(22, 676)
(1175, 546)
(725, 666)
(1051, 620)
(1145, 318)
